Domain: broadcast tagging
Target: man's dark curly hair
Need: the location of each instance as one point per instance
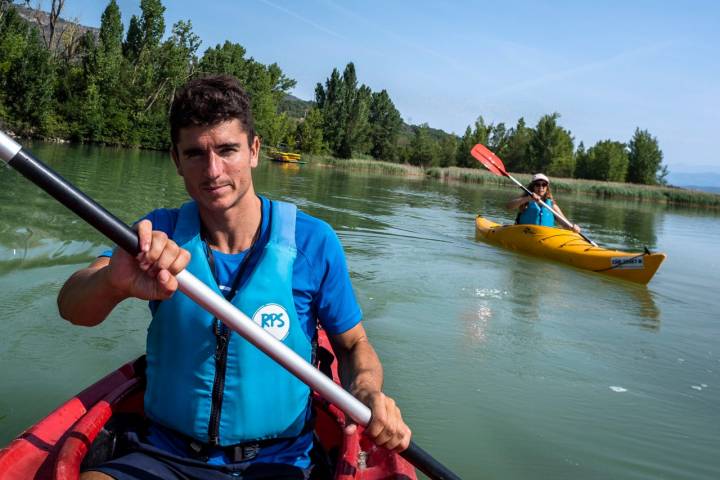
(210, 100)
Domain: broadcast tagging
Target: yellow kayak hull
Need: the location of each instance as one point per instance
(287, 157)
(568, 247)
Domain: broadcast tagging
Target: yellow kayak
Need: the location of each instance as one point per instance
(281, 156)
(569, 247)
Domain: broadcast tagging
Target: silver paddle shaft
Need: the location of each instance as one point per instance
(252, 332)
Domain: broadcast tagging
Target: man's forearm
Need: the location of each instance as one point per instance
(362, 375)
(366, 370)
(359, 367)
(87, 297)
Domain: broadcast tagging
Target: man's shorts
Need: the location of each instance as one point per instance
(146, 462)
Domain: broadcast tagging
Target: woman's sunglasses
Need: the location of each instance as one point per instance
(540, 184)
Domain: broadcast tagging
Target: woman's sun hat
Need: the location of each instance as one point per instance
(540, 176)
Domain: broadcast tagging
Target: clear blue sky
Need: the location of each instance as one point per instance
(605, 66)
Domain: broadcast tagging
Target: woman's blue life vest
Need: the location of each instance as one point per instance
(536, 214)
(260, 399)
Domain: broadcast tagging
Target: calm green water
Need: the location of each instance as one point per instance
(505, 366)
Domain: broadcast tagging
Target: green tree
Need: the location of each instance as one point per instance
(27, 77)
(151, 24)
(144, 35)
(173, 63)
(266, 86)
(345, 108)
(499, 139)
(607, 160)
(385, 123)
(90, 112)
(270, 126)
(309, 134)
(516, 153)
(582, 166)
(281, 84)
(551, 148)
(142, 49)
(357, 102)
(14, 35)
(228, 58)
(71, 91)
(447, 151)
(467, 142)
(133, 40)
(645, 160)
(111, 30)
(423, 150)
(107, 78)
(178, 57)
(480, 134)
(330, 104)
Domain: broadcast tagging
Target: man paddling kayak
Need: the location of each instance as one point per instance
(531, 212)
(217, 406)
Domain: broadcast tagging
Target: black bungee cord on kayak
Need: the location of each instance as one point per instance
(625, 261)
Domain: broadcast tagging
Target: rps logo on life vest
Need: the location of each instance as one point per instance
(273, 318)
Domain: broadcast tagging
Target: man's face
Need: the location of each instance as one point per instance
(215, 162)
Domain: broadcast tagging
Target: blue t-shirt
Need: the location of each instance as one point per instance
(322, 291)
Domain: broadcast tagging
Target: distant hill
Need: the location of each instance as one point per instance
(295, 107)
(408, 130)
(67, 32)
(704, 189)
(706, 181)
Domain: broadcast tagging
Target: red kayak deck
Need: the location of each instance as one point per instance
(56, 447)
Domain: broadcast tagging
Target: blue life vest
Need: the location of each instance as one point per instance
(259, 399)
(536, 214)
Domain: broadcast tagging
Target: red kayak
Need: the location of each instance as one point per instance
(82, 432)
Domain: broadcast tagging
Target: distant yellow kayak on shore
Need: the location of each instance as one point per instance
(283, 156)
(569, 247)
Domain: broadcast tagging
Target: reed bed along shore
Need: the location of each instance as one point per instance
(651, 193)
(628, 191)
(369, 166)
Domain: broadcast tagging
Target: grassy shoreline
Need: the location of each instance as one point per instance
(628, 191)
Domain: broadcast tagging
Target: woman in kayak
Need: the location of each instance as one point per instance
(531, 212)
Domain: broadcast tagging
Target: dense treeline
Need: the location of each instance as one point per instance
(113, 86)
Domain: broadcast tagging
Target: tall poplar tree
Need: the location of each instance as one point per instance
(109, 76)
(385, 123)
(645, 160)
(330, 103)
(345, 108)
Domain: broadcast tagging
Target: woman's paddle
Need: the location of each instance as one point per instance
(496, 166)
(21, 160)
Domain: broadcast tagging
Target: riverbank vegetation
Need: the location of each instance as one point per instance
(653, 193)
(605, 190)
(112, 85)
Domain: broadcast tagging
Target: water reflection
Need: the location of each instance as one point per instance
(477, 322)
(626, 228)
(646, 312)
